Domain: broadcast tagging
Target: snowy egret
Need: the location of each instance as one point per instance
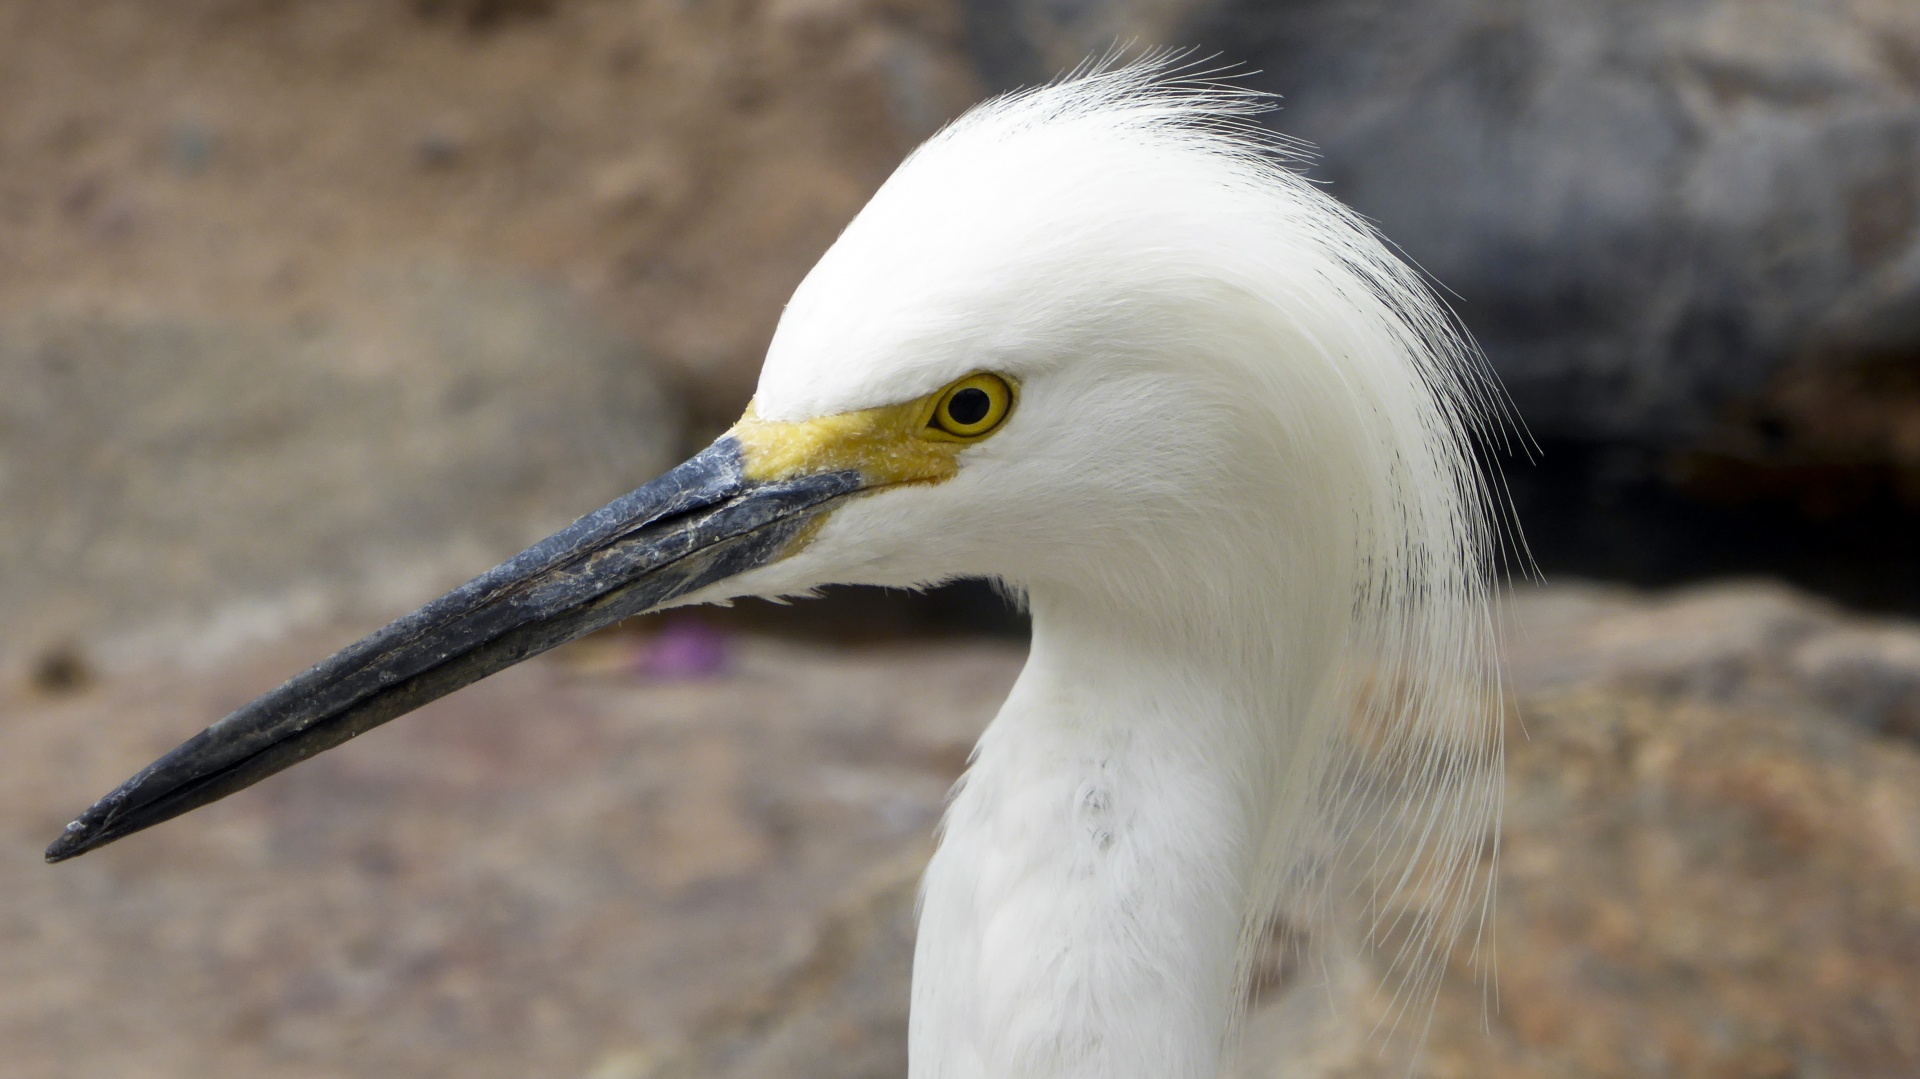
(1094, 341)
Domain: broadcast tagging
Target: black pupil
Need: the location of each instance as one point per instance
(969, 406)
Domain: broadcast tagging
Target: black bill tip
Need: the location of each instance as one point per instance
(73, 842)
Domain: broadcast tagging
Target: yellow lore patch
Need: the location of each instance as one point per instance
(887, 445)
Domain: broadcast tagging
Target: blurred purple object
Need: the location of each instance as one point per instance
(686, 649)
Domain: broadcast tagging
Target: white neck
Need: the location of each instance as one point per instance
(1081, 917)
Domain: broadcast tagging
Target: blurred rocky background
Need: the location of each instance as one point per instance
(311, 308)
(1710, 868)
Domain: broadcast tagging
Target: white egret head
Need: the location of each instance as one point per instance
(1097, 343)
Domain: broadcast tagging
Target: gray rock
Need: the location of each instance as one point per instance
(177, 484)
(1646, 210)
(1870, 674)
(1750, 642)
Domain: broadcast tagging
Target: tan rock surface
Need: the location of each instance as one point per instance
(1711, 867)
(177, 486)
(682, 164)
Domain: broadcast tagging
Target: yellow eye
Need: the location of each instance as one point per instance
(971, 407)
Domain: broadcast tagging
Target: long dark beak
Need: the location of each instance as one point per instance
(700, 523)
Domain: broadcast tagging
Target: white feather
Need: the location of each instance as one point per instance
(1241, 497)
